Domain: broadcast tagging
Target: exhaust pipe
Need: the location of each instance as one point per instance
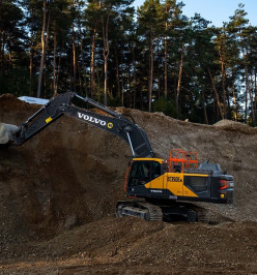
(7, 132)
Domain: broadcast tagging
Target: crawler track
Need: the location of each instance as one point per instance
(152, 212)
(146, 211)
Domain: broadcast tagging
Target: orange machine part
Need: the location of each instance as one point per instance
(180, 160)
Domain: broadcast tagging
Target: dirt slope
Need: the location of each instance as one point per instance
(58, 193)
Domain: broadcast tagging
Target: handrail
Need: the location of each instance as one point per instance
(180, 160)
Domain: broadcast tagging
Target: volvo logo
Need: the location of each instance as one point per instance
(91, 119)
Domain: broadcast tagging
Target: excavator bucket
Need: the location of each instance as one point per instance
(7, 132)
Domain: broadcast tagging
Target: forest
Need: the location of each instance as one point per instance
(152, 58)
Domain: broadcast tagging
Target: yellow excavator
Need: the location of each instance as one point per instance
(157, 189)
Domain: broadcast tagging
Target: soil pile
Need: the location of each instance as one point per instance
(58, 193)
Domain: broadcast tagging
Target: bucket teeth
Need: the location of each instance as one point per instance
(6, 132)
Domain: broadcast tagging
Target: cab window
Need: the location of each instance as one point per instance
(156, 169)
(144, 171)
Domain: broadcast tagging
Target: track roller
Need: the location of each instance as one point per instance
(142, 210)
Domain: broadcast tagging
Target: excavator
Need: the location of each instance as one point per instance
(157, 189)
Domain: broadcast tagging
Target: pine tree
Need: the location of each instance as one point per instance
(151, 21)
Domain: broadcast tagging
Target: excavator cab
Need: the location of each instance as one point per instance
(141, 173)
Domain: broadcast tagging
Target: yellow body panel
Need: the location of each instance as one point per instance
(174, 182)
(156, 183)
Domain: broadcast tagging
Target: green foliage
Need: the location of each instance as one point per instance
(219, 65)
(151, 17)
(165, 106)
(15, 82)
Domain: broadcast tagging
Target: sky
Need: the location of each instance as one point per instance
(217, 11)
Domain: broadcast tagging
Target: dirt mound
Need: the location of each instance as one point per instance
(58, 193)
(235, 126)
(132, 246)
(226, 122)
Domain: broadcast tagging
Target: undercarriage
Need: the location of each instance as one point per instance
(169, 213)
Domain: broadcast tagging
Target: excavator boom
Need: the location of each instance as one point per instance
(113, 122)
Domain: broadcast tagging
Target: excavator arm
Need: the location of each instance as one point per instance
(112, 122)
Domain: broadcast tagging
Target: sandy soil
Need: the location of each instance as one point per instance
(58, 193)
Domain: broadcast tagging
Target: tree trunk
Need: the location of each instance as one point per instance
(134, 77)
(105, 79)
(246, 104)
(1, 59)
(3, 53)
(54, 66)
(150, 82)
(43, 42)
(84, 75)
(223, 85)
(31, 69)
(10, 61)
(1, 38)
(79, 78)
(215, 93)
(234, 95)
(255, 92)
(44, 39)
(223, 74)
(122, 79)
(58, 68)
(204, 106)
(98, 83)
(117, 73)
(92, 64)
(31, 56)
(74, 78)
(248, 88)
(166, 55)
(166, 66)
(105, 27)
(180, 75)
(235, 101)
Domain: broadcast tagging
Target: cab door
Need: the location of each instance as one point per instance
(145, 179)
(139, 177)
(156, 184)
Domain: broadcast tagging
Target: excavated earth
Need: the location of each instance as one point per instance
(58, 193)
